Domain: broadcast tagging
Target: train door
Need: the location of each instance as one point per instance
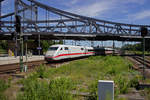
(86, 50)
(82, 50)
(63, 53)
(60, 53)
(66, 52)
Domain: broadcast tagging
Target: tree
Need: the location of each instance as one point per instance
(45, 44)
(4, 44)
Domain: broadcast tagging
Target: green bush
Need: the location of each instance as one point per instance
(41, 71)
(46, 43)
(130, 66)
(57, 89)
(3, 85)
(2, 97)
(122, 84)
(61, 88)
(4, 44)
(93, 89)
(111, 71)
(85, 74)
(134, 82)
(147, 93)
(34, 90)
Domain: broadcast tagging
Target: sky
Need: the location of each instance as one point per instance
(122, 11)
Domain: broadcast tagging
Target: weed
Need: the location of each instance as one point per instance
(121, 99)
(3, 85)
(57, 89)
(61, 88)
(134, 82)
(111, 71)
(84, 73)
(41, 71)
(93, 89)
(122, 84)
(2, 97)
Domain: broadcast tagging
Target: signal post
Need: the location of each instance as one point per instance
(144, 32)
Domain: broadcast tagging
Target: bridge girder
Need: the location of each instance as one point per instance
(69, 23)
(76, 36)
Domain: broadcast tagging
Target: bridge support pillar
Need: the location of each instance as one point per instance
(147, 44)
(113, 46)
(39, 46)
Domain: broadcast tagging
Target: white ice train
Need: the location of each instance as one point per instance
(60, 52)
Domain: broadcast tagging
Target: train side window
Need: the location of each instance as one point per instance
(66, 48)
(90, 50)
(61, 49)
(52, 48)
(82, 49)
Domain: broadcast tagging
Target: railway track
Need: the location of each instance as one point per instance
(138, 64)
(140, 60)
(13, 68)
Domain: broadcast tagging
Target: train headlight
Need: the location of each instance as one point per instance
(49, 55)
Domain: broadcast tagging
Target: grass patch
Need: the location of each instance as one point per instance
(40, 89)
(81, 76)
(86, 73)
(3, 86)
(138, 52)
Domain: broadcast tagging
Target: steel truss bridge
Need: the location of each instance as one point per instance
(59, 24)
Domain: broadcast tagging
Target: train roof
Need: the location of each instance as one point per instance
(62, 45)
(103, 48)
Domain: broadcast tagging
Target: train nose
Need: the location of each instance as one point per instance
(48, 57)
(49, 53)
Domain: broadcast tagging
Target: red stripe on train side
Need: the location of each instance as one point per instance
(71, 54)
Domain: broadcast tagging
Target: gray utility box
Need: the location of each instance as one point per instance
(105, 90)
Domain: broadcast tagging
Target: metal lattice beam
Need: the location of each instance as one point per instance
(68, 23)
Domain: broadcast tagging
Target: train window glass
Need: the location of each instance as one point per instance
(52, 48)
(82, 49)
(90, 49)
(61, 49)
(66, 48)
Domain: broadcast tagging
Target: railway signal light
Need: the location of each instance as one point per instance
(144, 31)
(13, 36)
(18, 24)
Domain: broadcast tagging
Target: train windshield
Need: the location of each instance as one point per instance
(52, 48)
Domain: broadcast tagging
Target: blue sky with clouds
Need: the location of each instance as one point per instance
(123, 11)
